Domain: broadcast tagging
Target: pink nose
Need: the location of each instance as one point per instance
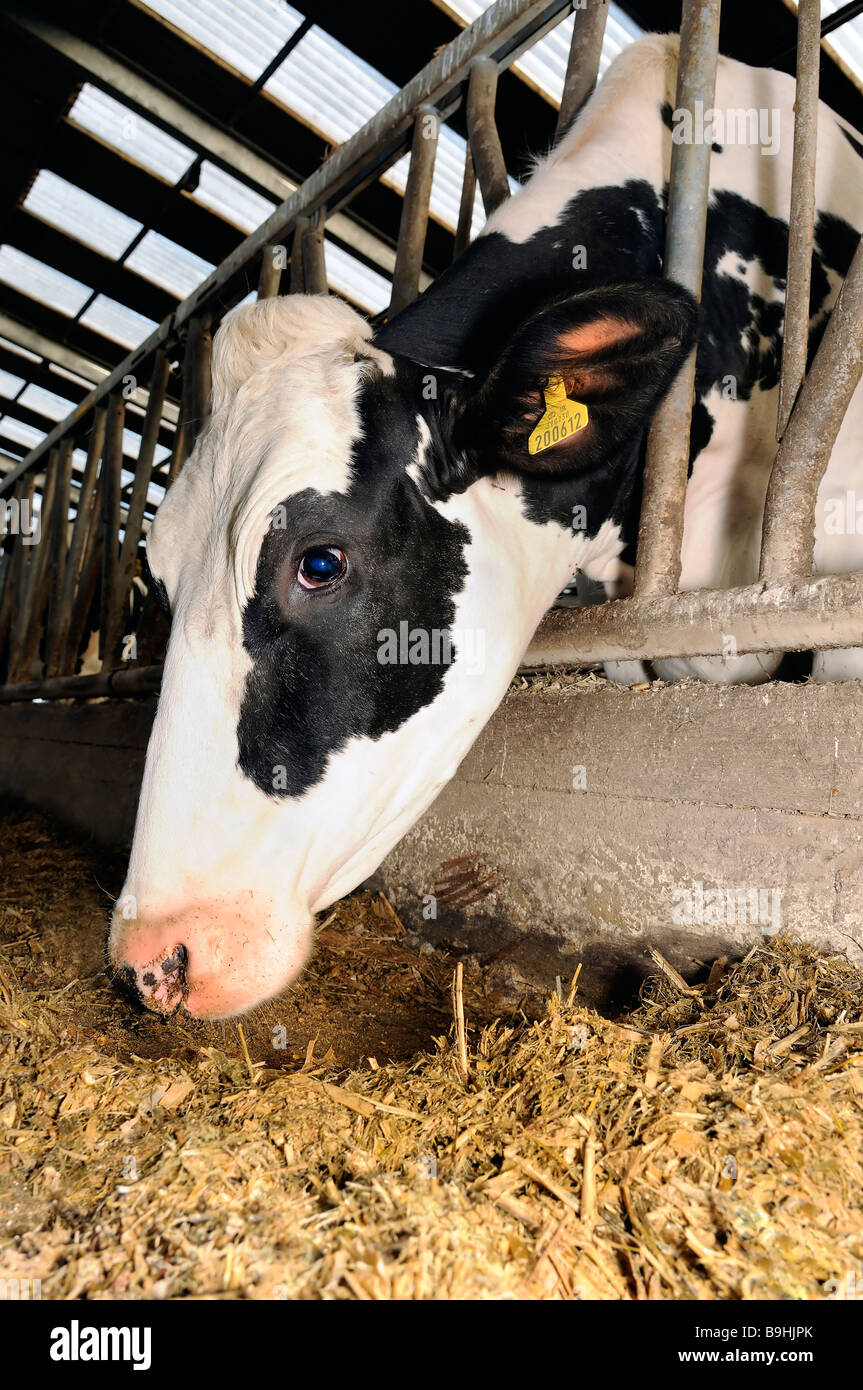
(160, 985)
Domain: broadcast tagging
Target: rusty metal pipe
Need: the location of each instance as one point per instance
(823, 612)
(660, 533)
(415, 210)
(801, 221)
(482, 132)
(582, 69)
(802, 457)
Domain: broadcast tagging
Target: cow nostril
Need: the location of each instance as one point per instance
(176, 962)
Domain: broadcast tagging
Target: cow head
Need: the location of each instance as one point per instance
(355, 558)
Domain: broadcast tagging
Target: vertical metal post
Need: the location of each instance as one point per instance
(314, 266)
(135, 515)
(36, 580)
(58, 554)
(482, 132)
(270, 279)
(14, 589)
(415, 210)
(56, 648)
(112, 466)
(660, 534)
(298, 283)
(801, 221)
(585, 51)
(802, 458)
(465, 209)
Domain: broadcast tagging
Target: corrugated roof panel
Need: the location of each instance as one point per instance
(126, 131)
(46, 402)
(245, 34)
(116, 321)
(21, 433)
(355, 280)
(167, 264)
(87, 382)
(10, 385)
(42, 282)
(84, 217)
(231, 199)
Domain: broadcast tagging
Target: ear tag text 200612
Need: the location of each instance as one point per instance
(561, 418)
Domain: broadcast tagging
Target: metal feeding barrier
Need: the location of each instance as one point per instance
(82, 570)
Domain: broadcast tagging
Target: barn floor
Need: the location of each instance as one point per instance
(707, 1146)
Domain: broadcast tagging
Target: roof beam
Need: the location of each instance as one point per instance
(52, 351)
(206, 139)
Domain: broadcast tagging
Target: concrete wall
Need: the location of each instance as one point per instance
(578, 820)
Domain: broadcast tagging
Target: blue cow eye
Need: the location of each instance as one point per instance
(321, 566)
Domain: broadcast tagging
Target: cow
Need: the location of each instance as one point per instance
(372, 524)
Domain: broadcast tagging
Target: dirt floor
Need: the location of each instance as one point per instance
(351, 1141)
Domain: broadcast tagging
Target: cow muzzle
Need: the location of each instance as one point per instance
(210, 960)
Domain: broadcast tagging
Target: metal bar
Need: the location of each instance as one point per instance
(91, 568)
(660, 534)
(482, 132)
(270, 278)
(801, 460)
(56, 649)
(126, 680)
(415, 210)
(34, 585)
(298, 281)
(582, 70)
(465, 210)
(801, 221)
(822, 612)
(15, 570)
(135, 517)
(112, 465)
(195, 405)
(314, 265)
(59, 552)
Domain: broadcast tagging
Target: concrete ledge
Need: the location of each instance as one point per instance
(579, 818)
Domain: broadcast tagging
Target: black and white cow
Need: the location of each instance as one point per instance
(364, 515)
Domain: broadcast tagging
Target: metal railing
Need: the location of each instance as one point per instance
(50, 592)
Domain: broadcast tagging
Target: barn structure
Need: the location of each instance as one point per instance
(172, 158)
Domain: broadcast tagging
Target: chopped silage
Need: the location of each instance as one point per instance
(707, 1146)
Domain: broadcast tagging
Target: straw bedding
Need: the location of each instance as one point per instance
(357, 1140)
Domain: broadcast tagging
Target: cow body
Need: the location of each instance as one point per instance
(359, 549)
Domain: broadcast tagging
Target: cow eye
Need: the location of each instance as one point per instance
(321, 566)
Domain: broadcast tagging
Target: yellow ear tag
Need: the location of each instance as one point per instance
(561, 418)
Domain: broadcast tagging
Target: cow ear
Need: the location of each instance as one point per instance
(576, 381)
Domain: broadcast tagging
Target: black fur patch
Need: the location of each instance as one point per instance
(316, 680)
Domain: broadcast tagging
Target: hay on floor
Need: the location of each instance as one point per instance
(707, 1146)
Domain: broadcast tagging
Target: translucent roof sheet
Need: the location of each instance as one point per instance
(21, 433)
(126, 131)
(42, 281)
(245, 34)
(231, 199)
(10, 385)
(355, 280)
(544, 65)
(167, 264)
(46, 402)
(84, 217)
(117, 322)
